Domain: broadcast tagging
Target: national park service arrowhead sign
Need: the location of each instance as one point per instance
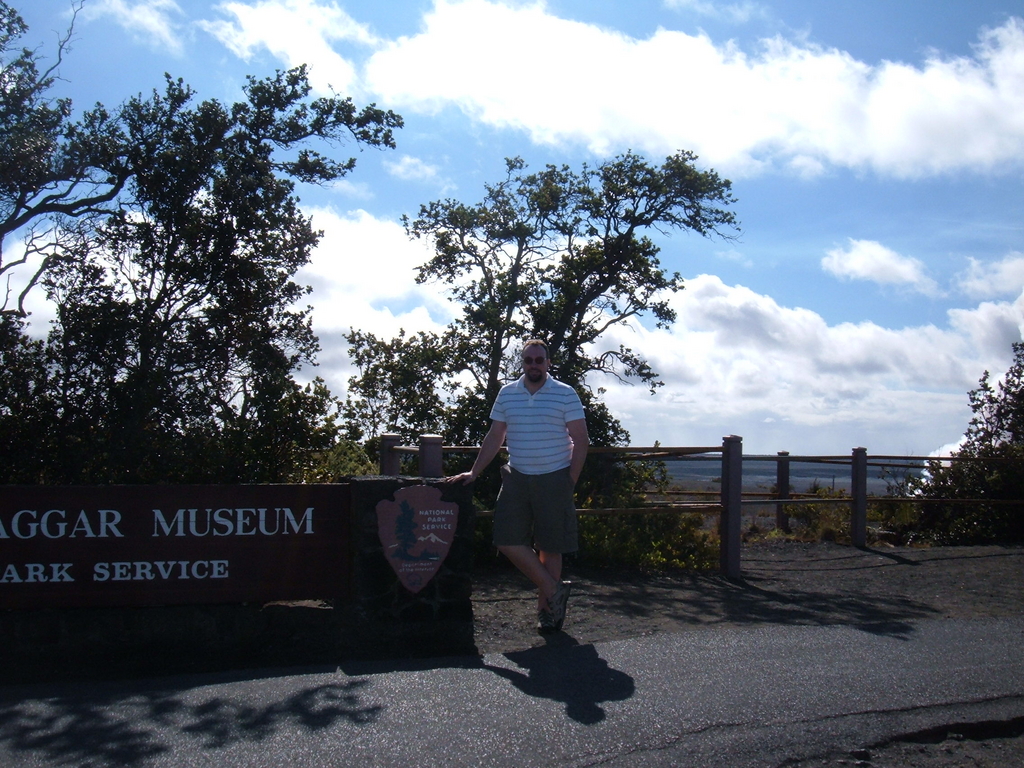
(417, 530)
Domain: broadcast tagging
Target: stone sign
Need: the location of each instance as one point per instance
(416, 530)
(164, 545)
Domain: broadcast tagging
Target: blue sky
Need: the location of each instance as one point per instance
(876, 150)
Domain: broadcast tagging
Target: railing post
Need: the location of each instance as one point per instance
(782, 488)
(732, 488)
(390, 461)
(431, 456)
(859, 498)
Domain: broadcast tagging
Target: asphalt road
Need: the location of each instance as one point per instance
(749, 696)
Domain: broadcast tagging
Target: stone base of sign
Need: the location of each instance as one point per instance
(83, 643)
(390, 620)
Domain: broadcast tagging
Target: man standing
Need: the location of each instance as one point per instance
(535, 516)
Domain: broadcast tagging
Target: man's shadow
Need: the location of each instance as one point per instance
(566, 671)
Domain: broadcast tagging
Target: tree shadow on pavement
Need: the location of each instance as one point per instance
(117, 725)
(883, 590)
(567, 672)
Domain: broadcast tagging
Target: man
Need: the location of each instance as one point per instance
(535, 516)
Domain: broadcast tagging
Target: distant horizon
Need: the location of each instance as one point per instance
(758, 474)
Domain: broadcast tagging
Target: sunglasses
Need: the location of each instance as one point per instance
(532, 360)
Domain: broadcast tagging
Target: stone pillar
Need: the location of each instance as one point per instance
(389, 620)
(390, 461)
(782, 488)
(732, 488)
(859, 494)
(431, 456)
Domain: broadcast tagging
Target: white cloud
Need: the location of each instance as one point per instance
(153, 21)
(872, 261)
(363, 276)
(357, 190)
(411, 168)
(789, 103)
(735, 256)
(987, 280)
(296, 32)
(736, 362)
(992, 325)
(738, 13)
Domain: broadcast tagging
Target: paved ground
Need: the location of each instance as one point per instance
(820, 656)
(735, 697)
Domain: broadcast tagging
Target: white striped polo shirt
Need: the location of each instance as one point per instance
(538, 441)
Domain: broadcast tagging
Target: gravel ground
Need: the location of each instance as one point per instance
(884, 589)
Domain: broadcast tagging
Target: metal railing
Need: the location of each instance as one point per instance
(430, 453)
(731, 498)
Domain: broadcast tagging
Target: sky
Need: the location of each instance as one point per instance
(876, 151)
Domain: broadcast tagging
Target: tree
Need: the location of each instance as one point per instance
(562, 255)
(27, 408)
(991, 467)
(398, 390)
(179, 325)
(50, 165)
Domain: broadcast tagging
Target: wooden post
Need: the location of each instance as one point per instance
(859, 500)
(390, 461)
(732, 488)
(431, 456)
(782, 488)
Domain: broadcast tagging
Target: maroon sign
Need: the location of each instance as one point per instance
(417, 530)
(163, 545)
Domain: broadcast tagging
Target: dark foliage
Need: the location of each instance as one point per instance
(991, 469)
(179, 325)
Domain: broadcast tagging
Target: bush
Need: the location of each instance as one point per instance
(656, 541)
(346, 458)
(899, 522)
(992, 469)
(821, 522)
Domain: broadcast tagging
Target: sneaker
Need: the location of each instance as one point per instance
(545, 622)
(559, 603)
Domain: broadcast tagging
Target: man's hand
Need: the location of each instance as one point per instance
(488, 450)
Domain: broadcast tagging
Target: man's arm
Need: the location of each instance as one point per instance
(489, 448)
(580, 443)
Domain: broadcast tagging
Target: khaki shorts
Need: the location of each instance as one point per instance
(536, 510)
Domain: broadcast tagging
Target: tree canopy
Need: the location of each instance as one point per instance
(51, 165)
(179, 325)
(561, 254)
(991, 467)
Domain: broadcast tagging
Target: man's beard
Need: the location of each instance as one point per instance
(535, 376)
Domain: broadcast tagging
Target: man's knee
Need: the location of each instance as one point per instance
(512, 549)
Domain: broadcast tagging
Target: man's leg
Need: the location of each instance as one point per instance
(536, 569)
(555, 531)
(552, 562)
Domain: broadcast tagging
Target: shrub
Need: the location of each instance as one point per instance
(992, 468)
(821, 522)
(655, 541)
